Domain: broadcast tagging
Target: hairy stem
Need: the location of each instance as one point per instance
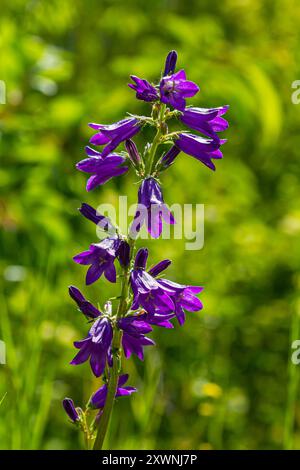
(156, 140)
(105, 418)
(114, 371)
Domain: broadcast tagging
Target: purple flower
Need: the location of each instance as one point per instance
(144, 90)
(70, 409)
(156, 318)
(170, 63)
(101, 257)
(201, 148)
(86, 307)
(91, 214)
(147, 292)
(96, 347)
(133, 338)
(114, 134)
(151, 208)
(98, 398)
(175, 88)
(102, 169)
(183, 297)
(207, 121)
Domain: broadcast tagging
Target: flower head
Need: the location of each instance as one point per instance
(100, 257)
(98, 399)
(152, 208)
(114, 134)
(175, 88)
(201, 148)
(144, 90)
(70, 409)
(206, 121)
(96, 347)
(183, 297)
(102, 169)
(147, 292)
(133, 339)
(86, 307)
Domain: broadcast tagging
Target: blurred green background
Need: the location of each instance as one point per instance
(225, 380)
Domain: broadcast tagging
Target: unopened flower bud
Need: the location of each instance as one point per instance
(124, 253)
(70, 409)
(141, 258)
(170, 63)
(133, 152)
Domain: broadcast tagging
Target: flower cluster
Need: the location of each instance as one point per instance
(147, 298)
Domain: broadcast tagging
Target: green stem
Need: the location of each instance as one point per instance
(153, 150)
(156, 140)
(114, 371)
(105, 418)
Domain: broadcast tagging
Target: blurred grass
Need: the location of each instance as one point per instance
(225, 380)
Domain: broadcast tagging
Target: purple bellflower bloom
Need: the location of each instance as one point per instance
(201, 148)
(147, 292)
(98, 399)
(121, 246)
(96, 347)
(101, 257)
(206, 121)
(175, 88)
(70, 409)
(151, 208)
(102, 169)
(183, 297)
(114, 134)
(86, 307)
(170, 63)
(144, 90)
(156, 318)
(133, 339)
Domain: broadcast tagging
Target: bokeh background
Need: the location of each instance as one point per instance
(225, 380)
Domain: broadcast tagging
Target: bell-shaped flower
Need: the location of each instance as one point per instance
(96, 346)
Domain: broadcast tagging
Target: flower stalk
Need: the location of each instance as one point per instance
(157, 139)
(107, 411)
(114, 371)
(146, 300)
